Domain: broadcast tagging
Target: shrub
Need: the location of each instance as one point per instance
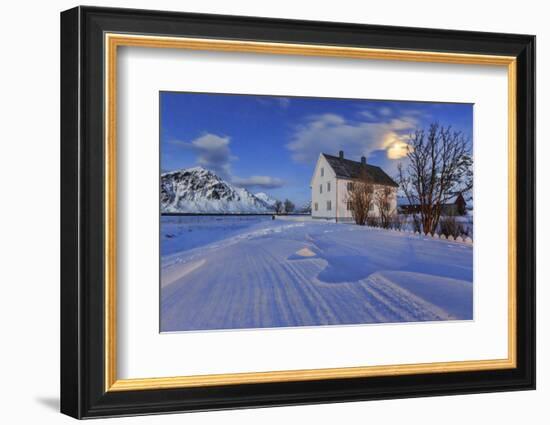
(397, 221)
(373, 221)
(449, 226)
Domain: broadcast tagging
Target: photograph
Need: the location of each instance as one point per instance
(282, 211)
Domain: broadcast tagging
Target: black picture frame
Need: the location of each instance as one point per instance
(83, 392)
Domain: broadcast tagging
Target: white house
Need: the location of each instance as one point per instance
(333, 177)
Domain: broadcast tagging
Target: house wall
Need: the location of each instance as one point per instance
(322, 198)
(344, 214)
(449, 209)
(394, 200)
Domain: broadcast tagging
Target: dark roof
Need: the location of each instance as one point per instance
(348, 169)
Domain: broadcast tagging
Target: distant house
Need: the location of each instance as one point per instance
(455, 205)
(333, 178)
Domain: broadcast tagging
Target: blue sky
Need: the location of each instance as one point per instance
(271, 144)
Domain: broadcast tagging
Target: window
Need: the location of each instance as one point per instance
(328, 187)
(320, 188)
(349, 186)
(329, 205)
(316, 206)
(322, 171)
(349, 205)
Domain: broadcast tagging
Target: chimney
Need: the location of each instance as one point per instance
(341, 154)
(363, 160)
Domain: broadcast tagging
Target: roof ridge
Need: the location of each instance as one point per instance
(350, 169)
(345, 159)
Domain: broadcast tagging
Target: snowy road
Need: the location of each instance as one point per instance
(286, 273)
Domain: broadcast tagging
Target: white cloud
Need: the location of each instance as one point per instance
(367, 114)
(405, 123)
(264, 182)
(330, 133)
(282, 102)
(385, 111)
(212, 152)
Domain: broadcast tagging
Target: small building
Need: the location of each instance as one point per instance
(456, 205)
(332, 180)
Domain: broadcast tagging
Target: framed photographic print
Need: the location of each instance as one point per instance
(261, 212)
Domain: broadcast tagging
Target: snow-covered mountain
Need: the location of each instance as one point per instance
(197, 190)
(264, 197)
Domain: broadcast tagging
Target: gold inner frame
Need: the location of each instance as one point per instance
(113, 41)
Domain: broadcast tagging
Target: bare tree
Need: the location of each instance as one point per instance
(439, 166)
(360, 197)
(383, 198)
(289, 206)
(279, 207)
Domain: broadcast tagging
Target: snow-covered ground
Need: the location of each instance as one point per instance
(253, 272)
